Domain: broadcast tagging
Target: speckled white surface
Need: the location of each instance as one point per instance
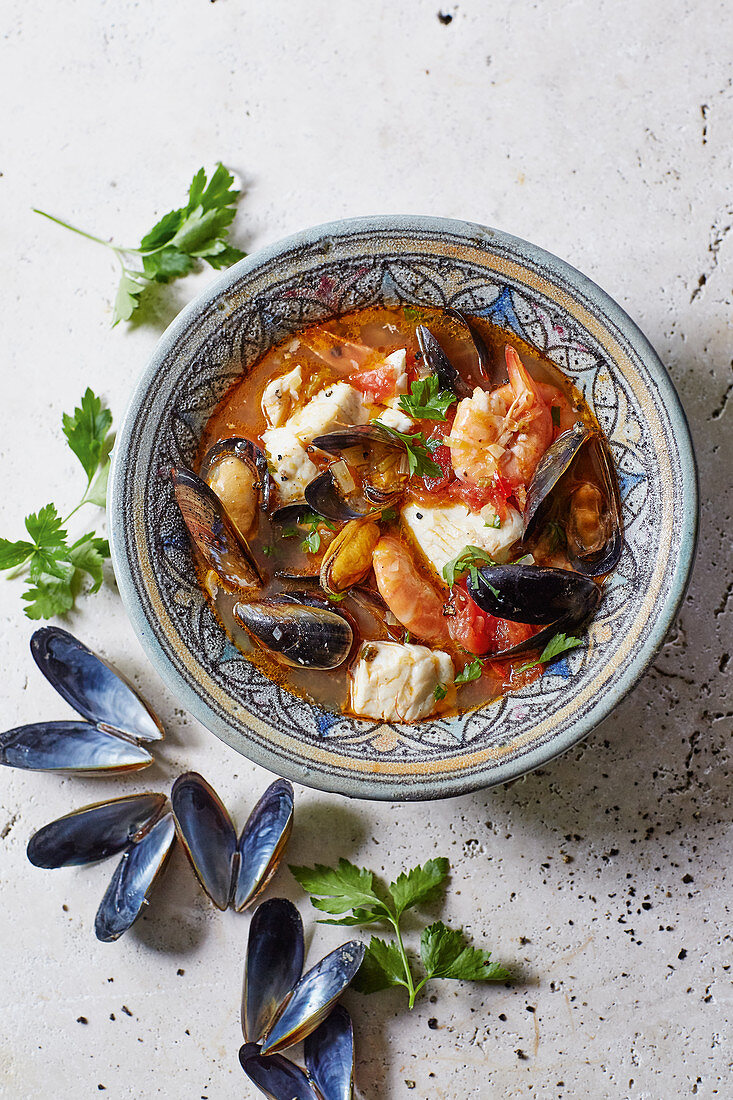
(599, 131)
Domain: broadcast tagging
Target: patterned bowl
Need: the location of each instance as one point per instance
(317, 275)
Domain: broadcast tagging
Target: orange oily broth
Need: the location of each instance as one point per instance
(240, 413)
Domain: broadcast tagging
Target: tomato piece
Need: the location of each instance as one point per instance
(377, 384)
(480, 633)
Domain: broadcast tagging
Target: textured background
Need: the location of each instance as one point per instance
(601, 132)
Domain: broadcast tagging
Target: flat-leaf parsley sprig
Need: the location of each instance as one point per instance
(175, 244)
(56, 567)
(444, 951)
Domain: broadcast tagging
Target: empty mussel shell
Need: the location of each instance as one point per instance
(277, 1077)
(296, 634)
(324, 497)
(94, 689)
(231, 871)
(329, 1055)
(555, 462)
(314, 996)
(535, 595)
(236, 469)
(213, 533)
(262, 842)
(493, 370)
(275, 952)
(72, 746)
(348, 558)
(207, 834)
(133, 880)
(95, 832)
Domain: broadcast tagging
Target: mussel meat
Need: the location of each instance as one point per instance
(237, 472)
(297, 630)
(134, 877)
(557, 599)
(589, 506)
(213, 532)
(232, 872)
(349, 557)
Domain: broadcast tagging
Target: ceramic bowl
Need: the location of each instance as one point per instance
(311, 277)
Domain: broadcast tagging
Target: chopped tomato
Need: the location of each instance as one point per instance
(480, 633)
(377, 384)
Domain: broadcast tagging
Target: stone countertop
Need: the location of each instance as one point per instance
(601, 132)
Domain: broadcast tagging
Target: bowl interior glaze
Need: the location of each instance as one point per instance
(319, 274)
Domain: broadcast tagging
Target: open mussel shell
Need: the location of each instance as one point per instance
(275, 952)
(314, 996)
(133, 880)
(535, 595)
(494, 371)
(438, 363)
(276, 1077)
(213, 533)
(329, 1055)
(72, 746)
(295, 633)
(263, 841)
(95, 832)
(94, 689)
(348, 558)
(600, 553)
(207, 834)
(324, 497)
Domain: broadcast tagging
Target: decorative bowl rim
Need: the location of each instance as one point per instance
(380, 787)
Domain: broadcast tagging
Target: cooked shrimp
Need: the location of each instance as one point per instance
(506, 431)
(410, 598)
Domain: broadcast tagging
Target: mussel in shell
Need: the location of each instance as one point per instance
(378, 456)
(560, 600)
(236, 470)
(213, 533)
(297, 629)
(232, 871)
(348, 559)
(576, 475)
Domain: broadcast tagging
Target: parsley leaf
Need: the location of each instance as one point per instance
(472, 671)
(425, 401)
(445, 953)
(175, 244)
(56, 569)
(419, 461)
(464, 562)
(558, 644)
(439, 692)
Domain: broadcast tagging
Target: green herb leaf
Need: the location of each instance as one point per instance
(390, 515)
(341, 888)
(426, 401)
(414, 886)
(558, 644)
(87, 431)
(464, 562)
(87, 555)
(14, 553)
(48, 598)
(127, 298)
(472, 671)
(495, 521)
(169, 263)
(439, 692)
(419, 462)
(381, 968)
(445, 954)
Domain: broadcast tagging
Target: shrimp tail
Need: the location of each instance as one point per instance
(520, 379)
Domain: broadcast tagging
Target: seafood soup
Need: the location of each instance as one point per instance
(402, 514)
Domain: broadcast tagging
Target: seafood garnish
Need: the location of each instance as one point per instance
(116, 718)
(279, 1008)
(232, 871)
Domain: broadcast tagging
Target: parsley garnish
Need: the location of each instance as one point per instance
(444, 951)
(439, 692)
(176, 244)
(311, 544)
(560, 643)
(56, 568)
(419, 461)
(472, 671)
(466, 563)
(424, 401)
(495, 522)
(389, 515)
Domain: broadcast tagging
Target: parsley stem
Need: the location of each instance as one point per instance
(81, 232)
(405, 962)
